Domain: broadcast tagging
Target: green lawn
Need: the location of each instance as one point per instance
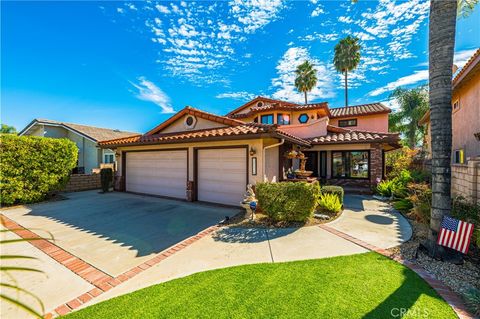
(359, 286)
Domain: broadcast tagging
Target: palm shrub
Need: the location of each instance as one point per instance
(331, 189)
(106, 178)
(31, 167)
(329, 203)
(288, 201)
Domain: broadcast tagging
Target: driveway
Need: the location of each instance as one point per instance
(117, 231)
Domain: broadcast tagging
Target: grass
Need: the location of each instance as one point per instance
(358, 286)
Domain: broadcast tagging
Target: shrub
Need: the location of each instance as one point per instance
(337, 190)
(421, 176)
(31, 167)
(106, 178)
(288, 201)
(472, 300)
(386, 187)
(399, 160)
(421, 199)
(329, 203)
(469, 212)
(403, 205)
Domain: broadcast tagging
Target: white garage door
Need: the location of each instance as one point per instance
(157, 173)
(222, 175)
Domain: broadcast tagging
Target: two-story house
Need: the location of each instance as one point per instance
(196, 155)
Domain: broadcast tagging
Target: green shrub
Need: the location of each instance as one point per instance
(329, 203)
(421, 199)
(288, 201)
(421, 176)
(337, 190)
(106, 178)
(31, 167)
(472, 300)
(467, 211)
(404, 205)
(386, 187)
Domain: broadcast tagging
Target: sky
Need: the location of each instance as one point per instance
(130, 65)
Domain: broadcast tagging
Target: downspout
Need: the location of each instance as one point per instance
(263, 155)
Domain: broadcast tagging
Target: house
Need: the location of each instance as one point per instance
(90, 156)
(465, 130)
(196, 155)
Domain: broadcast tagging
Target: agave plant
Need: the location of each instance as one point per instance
(11, 291)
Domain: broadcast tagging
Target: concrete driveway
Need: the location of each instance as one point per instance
(117, 231)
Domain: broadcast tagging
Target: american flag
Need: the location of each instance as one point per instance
(455, 234)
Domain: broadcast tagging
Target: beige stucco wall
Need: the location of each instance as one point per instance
(466, 180)
(466, 120)
(374, 122)
(201, 124)
(256, 144)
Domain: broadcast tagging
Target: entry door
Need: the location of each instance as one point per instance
(221, 175)
(161, 173)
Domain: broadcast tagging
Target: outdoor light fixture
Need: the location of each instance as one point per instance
(252, 151)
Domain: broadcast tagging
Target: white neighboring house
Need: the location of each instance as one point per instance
(84, 136)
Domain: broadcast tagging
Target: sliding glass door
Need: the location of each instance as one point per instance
(351, 164)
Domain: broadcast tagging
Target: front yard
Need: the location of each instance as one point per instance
(359, 286)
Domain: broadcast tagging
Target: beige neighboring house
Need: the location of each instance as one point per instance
(90, 156)
(465, 130)
(195, 155)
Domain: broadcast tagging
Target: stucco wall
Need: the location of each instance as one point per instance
(466, 180)
(466, 120)
(88, 153)
(55, 132)
(374, 122)
(178, 125)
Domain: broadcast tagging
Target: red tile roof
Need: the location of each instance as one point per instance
(245, 130)
(260, 98)
(196, 112)
(364, 109)
(336, 136)
(471, 63)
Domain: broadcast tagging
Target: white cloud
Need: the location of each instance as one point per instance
(284, 82)
(322, 37)
(417, 76)
(392, 104)
(236, 96)
(318, 11)
(461, 57)
(148, 91)
(254, 14)
(162, 9)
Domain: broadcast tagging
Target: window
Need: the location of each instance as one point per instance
(456, 105)
(350, 164)
(283, 119)
(345, 123)
(108, 158)
(458, 157)
(266, 119)
(303, 118)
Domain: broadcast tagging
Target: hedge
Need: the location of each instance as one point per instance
(31, 167)
(288, 201)
(331, 189)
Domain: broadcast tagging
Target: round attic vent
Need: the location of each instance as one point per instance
(259, 104)
(190, 122)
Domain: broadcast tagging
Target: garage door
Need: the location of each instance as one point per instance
(222, 175)
(157, 173)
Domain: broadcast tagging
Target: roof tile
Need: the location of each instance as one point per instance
(373, 108)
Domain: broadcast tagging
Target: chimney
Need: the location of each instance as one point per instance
(454, 68)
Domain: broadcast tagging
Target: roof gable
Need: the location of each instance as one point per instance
(254, 102)
(175, 123)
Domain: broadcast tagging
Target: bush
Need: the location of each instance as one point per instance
(386, 187)
(337, 190)
(421, 199)
(403, 205)
(288, 201)
(469, 212)
(31, 167)
(106, 178)
(472, 300)
(329, 203)
(399, 160)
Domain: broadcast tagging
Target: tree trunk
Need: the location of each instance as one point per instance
(443, 14)
(306, 102)
(346, 89)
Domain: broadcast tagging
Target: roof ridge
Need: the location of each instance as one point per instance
(86, 125)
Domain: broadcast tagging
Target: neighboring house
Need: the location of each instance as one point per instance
(196, 155)
(90, 156)
(465, 129)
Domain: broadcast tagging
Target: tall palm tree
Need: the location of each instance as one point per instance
(347, 58)
(306, 78)
(413, 105)
(441, 42)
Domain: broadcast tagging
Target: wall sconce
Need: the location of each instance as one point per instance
(252, 151)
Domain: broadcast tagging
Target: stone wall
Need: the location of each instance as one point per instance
(376, 164)
(466, 179)
(81, 182)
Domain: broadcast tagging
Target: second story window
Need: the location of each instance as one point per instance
(456, 105)
(266, 119)
(346, 123)
(283, 119)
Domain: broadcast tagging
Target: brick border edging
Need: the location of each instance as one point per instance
(115, 281)
(444, 291)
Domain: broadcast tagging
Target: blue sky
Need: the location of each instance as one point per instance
(128, 65)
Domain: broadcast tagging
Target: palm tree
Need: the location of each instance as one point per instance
(306, 78)
(441, 42)
(413, 105)
(347, 58)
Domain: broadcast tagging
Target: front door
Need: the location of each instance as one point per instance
(312, 163)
